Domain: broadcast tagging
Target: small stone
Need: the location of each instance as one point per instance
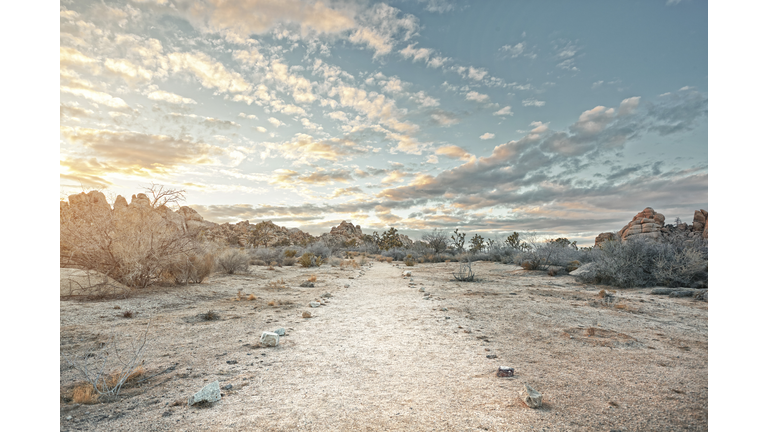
(444, 309)
(232, 362)
(346, 285)
(306, 314)
(269, 339)
(411, 279)
(314, 304)
(228, 387)
(505, 371)
(491, 356)
(280, 332)
(209, 393)
(69, 417)
(531, 397)
(307, 284)
(166, 414)
(407, 273)
(421, 289)
(326, 295)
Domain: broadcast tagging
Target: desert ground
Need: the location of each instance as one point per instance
(380, 354)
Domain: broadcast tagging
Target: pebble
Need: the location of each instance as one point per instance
(421, 289)
(306, 314)
(69, 417)
(314, 304)
(346, 285)
(228, 387)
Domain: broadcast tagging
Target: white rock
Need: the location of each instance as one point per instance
(209, 393)
(407, 273)
(269, 339)
(583, 269)
(314, 304)
(531, 397)
(280, 332)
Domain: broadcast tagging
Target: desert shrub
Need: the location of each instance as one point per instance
(310, 260)
(289, 261)
(465, 273)
(396, 253)
(233, 261)
(137, 247)
(108, 366)
(290, 253)
(266, 254)
(335, 262)
(319, 250)
(409, 260)
(639, 262)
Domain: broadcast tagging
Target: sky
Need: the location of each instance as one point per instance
(561, 117)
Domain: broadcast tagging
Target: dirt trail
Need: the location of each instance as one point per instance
(378, 358)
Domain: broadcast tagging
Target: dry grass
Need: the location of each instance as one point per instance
(210, 316)
(251, 297)
(127, 314)
(349, 263)
(290, 253)
(590, 331)
(312, 278)
(84, 394)
(276, 284)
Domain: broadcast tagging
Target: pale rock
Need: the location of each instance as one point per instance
(269, 339)
(209, 393)
(280, 331)
(531, 397)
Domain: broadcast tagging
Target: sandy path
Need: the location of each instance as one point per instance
(377, 358)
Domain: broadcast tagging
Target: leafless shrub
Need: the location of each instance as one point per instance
(465, 273)
(108, 366)
(233, 261)
(137, 248)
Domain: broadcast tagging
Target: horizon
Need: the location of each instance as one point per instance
(559, 118)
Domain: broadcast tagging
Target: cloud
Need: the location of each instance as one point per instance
(164, 96)
(304, 148)
(477, 97)
(210, 73)
(597, 84)
(242, 18)
(506, 111)
(96, 96)
(629, 105)
(487, 136)
(275, 122)
(424, 100)
(444, 118)
(74, 112)
(533, 102)
(438, 6)
(416, 53)
(477, 74)
(454, 152)
(142, 154)
(513, 51)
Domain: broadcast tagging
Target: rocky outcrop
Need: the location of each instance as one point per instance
(346, 234)
(647, 224)
(650, 224)
(262, 234)
(606, 236)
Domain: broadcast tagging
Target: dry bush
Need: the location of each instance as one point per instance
(312, 278)
(310, 260)
(210, 316)
(289, 262)
(465, 273)
(290, 253)
(573, 265)
(128, 314)
(233, 261)
(108, 366)
(137, 247)
(409, 260)
(389, 260)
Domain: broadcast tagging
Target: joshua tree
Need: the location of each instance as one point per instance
(477, 243)
(458, 240)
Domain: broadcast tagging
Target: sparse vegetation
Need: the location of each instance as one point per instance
(465, 273)
(409, 261)
(233, 261)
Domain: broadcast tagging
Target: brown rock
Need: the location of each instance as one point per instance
(606, 236)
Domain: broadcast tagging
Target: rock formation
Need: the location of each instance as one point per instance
(648, 223)
(346, 234)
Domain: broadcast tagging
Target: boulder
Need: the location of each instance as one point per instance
(702, 295)
(531, 397)
(663, 291)
(583, 269)
(681, 293)
(76, 282)
(210, 393)
(648, 223)
(269, 339)
(606, 236)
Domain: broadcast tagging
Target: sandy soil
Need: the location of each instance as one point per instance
(378, 356)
